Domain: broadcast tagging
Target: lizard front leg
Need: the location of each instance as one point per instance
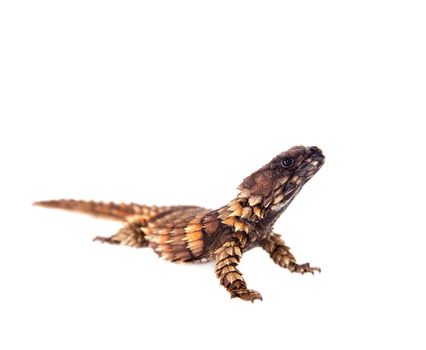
(282, 256)
(227, 258)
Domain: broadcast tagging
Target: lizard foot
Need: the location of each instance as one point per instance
(246, 294)
(106, 240)
(302, 268)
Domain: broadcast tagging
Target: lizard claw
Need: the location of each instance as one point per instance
(105, 240)
(303, 268)
(246, 294)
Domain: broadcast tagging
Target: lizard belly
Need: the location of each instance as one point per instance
(181, 235)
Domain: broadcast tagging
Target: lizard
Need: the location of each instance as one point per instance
(196, 234)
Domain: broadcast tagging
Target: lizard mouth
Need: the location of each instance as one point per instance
(310, 167)
(312, 163)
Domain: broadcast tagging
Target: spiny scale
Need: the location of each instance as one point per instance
(196, 234)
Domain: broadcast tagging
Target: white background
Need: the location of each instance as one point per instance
(174, 102)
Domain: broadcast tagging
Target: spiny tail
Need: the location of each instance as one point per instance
(107, 210)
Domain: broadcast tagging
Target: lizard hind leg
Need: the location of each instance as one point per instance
(131, 235)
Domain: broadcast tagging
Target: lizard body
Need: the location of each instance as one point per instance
(196, 234)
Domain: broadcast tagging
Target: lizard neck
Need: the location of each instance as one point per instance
(254, 215)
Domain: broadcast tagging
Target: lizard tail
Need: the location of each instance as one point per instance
(106, 210)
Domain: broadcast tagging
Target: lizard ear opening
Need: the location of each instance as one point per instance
(259, 183)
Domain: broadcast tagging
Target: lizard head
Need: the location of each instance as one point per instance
(275, 184)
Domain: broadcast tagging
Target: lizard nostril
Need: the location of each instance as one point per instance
(315, 150)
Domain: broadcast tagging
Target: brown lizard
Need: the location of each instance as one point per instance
(195, 234)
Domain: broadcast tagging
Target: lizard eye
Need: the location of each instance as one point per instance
(287, 162)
